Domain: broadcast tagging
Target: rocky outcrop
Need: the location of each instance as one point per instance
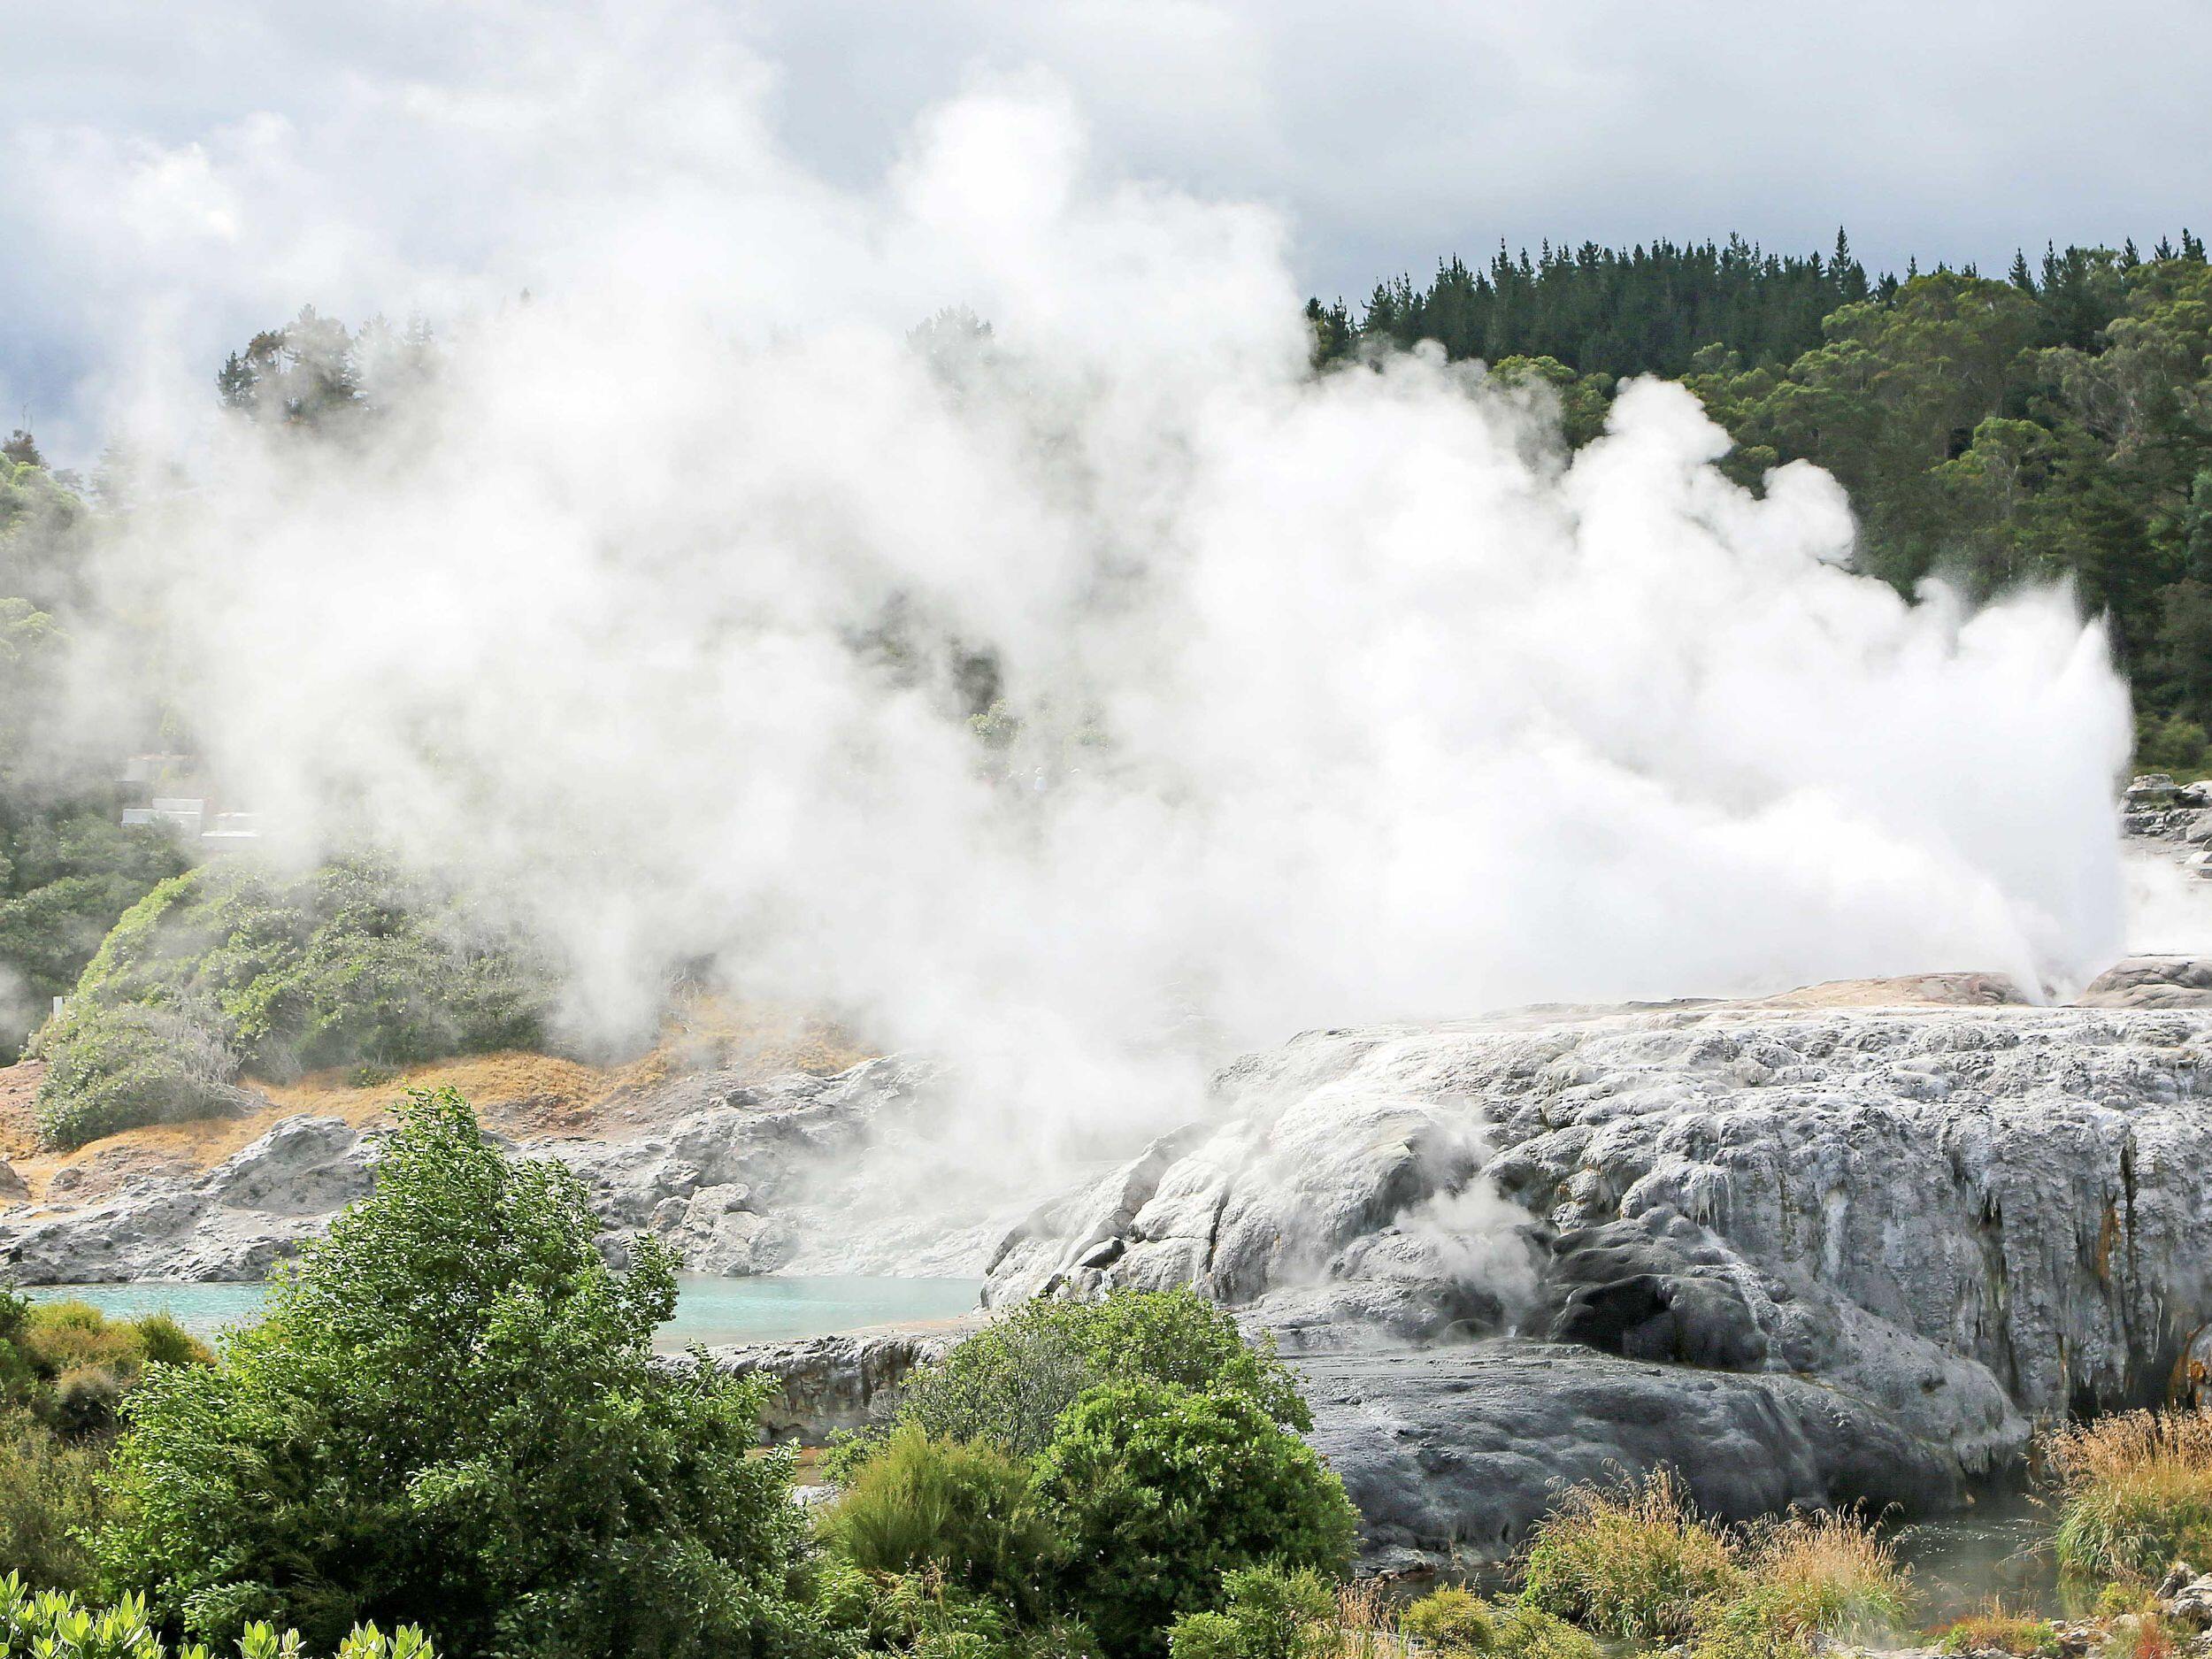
(2155, 807)
(1457, 1451)
(235, 1222)
(745, 1177)
(1941, 1222)
(826, 1384)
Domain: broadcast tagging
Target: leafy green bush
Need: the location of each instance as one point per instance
(2134, 1494)
(1008, 1384)
(67, 873)
(50, 1625)
(1636, 1562)
(1266, 1613)
(1156, 1491)
(962, 1509)
(51, 1497)
(116, 1068)
(451, 1411)
(229, 969)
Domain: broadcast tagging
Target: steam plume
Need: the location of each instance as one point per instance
(1334, 699)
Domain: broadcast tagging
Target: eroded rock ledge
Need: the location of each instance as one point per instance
(1847, 1251)
(744, 1177)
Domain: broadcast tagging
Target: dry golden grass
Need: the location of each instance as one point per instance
(1635, 1561)
(2134, 1492)
(1365, 1628)
(516, 1092)
(1810, 1578)
(1994, 1630)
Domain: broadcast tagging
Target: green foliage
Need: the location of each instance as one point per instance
(2055, 424)
(1156, 1491)
(1636, 1562)
(451, 1411)
(919, 1613)
(1266, 1613)
(50, 1625)
(2174, 744)
(1010, 1384)
(66, 874)
(959, 1510)
(52, 1497)
(1612, 311)
(1108, 1462)
(1581, 401)
(229, 969)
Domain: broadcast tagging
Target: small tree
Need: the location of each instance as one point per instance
(1156, 1491)
(451, 1414)
(1008, 1385)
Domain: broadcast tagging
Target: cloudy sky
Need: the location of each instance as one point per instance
(172, 177)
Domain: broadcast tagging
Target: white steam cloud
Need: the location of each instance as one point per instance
(1339, 698)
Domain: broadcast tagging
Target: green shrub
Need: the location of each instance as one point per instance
(166, 1342)
(1010, 1383)
(920, 1613)
(1156, 1491)
(67, 873)
(2134, 1494)
(112, 1069)
(451, 1410)
(1451, 1620)
(52, 1497)
(1266, 1613)
(962, 1510)
(1636, 1562)
(50, 1625)
(229, 970)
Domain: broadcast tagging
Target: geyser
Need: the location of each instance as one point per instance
(660, 613)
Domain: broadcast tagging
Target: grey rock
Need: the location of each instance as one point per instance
(831, 1383)
(235, 1222)
(2186, 1597)
(1452, 1453)
(798, 1173)
(11, 1182)
(2151, 982)
(1945, 1222)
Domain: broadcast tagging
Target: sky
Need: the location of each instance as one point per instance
(176, 177)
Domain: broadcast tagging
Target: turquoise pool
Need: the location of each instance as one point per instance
(711, 1310)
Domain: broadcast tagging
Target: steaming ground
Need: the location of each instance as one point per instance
(659, 617)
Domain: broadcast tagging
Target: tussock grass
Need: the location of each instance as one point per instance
(1636, 1561)
(1364, 1626)
(1994, 1630)
(2134, 1494)
(1453, 1622)
(1810, 1578)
